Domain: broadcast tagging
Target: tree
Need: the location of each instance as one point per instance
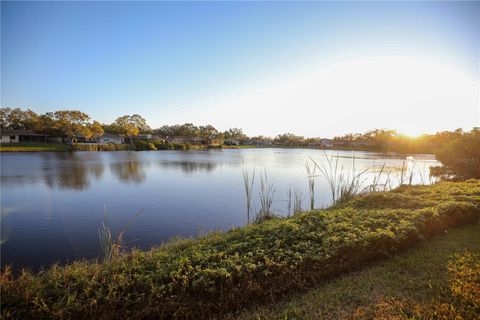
(19, 119)
(96, 129)
(460, 154)
(72, 123)
(132, 125)
(289, 139)
(165, 131)
(234, 133)
(208, 133)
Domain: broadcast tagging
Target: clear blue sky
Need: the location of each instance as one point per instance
(221, 62)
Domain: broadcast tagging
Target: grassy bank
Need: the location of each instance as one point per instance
(440, 279)
(34, 147)
(224, 272)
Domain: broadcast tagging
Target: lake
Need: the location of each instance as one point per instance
(53, 203)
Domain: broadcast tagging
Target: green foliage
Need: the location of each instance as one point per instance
(460, 154)
(72, 123)
(439, 279)
(224, 271)
(100, 147)
(464, 272)
(289, 139)
(141, 145)
(131, 125)
(34, 147)
(18, 119)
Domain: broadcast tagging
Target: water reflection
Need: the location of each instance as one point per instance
(189, 167)
(129, 171)
(67, 171)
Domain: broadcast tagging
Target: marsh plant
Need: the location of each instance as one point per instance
(248, 181)
(344, 184)
(266, 193)
(407, 172)
(311, 170)
(112, 248)
(294, 198)
(379, 184)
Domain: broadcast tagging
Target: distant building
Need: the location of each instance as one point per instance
(177, 139)
(143, 136)
(17, 136)
(231, 142)
(326, 143)
(340, 143)
(110, 138)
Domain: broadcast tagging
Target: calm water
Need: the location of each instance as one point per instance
(53, 203)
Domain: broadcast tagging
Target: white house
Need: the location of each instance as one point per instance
(327, 143)
(178, 140)
(111, 138)
(17, 136)
(231, 142)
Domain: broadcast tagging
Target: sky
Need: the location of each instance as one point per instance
(313, 69)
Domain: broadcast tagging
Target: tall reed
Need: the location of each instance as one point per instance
(266, 193)
(343, 185)
(311, 182)
(297, 200)
(113, 248)
(248, 184)
(294, 198)
(289, 201)
(377, 184)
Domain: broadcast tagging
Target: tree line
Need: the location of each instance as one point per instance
(72, 124)
(458, 150)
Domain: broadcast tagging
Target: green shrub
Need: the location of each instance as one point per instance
(221, 272)
(100, 147)
(460, 155)
(177, 146)
(160, 145)
(141, 145)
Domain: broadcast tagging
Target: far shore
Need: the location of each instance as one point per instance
(58, 147)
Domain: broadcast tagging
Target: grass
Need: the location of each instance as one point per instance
(343, 184)
(266, 193)
(225, 272)
(34, 147)
(112, 248)
(248, 184)
(311, 182)
(439, 279)
(101, 147)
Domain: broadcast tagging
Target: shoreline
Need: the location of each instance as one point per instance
(51, 147)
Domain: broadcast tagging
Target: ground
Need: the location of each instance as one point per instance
(412, 285)
(29, 147)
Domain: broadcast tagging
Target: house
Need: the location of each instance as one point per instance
(111, 138)
(143, 136)
(326, 143)
(177, 140)
(17, 136)
(231, 142)
(340, 143)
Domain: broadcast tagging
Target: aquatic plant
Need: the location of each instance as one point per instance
(343, 184)
(294, 198)
(248, 185)
(266, 192)
(113, 248)
(311, 182)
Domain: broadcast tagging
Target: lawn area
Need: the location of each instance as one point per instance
(423, 283)
(34, 147)
(225, 272)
